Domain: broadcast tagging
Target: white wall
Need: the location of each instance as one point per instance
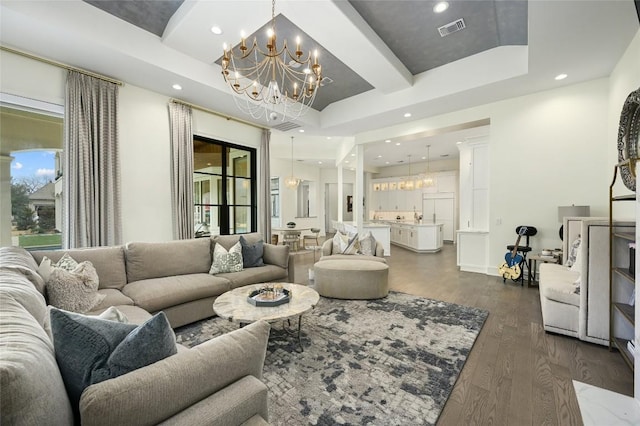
(547, 149)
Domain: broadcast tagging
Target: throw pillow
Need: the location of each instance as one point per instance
(576, 284)
(90, 350)
(66, 262)
(45, 268)
(368, 244)
(113, 314)
(343, 244)
(226, 261)
(75, 290)
(251, 253)
(577, 262)
(573, 251)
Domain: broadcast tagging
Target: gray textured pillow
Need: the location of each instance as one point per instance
(76, 290)
(226, 261)
(90, 350)
(368, 245)
(573, 251)
(251, 253)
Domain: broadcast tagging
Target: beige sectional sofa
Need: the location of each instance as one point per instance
(215, 383)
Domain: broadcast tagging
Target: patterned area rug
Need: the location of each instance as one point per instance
(392, 361)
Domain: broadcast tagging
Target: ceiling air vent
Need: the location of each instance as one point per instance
(286, 126)
(452, 27)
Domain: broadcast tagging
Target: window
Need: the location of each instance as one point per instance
(224, 188)
(33, 136)
(275, 198)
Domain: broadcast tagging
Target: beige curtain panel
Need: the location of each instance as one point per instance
(181, 170)
(264, 187)
(91, 164)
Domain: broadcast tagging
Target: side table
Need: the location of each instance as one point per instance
(534, 259)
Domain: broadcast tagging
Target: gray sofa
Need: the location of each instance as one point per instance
(215, 383)
(172, 277)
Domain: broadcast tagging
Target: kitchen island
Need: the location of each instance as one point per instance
(418, 237)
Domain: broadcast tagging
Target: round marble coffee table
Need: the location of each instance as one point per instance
(233, 305)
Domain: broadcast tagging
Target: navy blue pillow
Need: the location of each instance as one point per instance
(90, 350)
(251, 253)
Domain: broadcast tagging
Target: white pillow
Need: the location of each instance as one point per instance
(577, 262)
(343, 244)
(46, 266)
(367, 245)
(226, 261)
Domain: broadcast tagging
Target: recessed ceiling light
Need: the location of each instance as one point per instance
(353, 155)
(441, 6)
(407, 114)
(177, 87)
(347, 161)
(561, 76)
(386, 162)
(319, 162)
(397, 143)
(387, 141)
(379, 156)
(301, 130)
(459, 142)
(216, 30)
(424, 158)
(328, 138)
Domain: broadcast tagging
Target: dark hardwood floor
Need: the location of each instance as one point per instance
(516, 374)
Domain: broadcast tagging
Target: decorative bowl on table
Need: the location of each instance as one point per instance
(291, 225)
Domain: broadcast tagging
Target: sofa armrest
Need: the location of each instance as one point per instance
(161, 390)
(276, 255)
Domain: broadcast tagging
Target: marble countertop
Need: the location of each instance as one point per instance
(233, 305)
(410, 223)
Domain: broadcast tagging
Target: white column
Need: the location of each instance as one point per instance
(5, 200)
(358, 195)
(340, 194)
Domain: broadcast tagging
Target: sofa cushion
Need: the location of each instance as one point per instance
(226, 261)
(159, 293)
(33, 392)
(91, 350)
(16, 285)
(228, 241)
(261, 274)
(108, 261)
(19, 260)
(75, 290)
(276, 255)
(112, 297)
(156, 260)
(557, 283)
(251, 253)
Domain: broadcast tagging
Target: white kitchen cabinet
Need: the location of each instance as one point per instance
(440, 210)
(421, 238)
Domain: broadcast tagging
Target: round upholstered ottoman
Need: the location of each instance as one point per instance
(357, 279)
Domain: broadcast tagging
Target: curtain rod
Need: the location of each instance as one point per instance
(210, 111)
(61, 65)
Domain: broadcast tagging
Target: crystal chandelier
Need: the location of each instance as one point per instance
(427, 180)
(291, 181)
(272, 83)
(409, 184)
